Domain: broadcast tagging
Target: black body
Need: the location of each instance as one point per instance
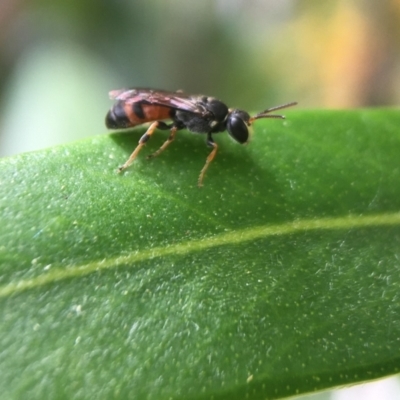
(198, 114)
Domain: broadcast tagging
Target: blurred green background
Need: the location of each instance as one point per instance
(59, 59)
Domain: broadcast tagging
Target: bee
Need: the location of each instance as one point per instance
(196, 113)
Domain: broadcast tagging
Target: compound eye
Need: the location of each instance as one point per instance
(237, 129)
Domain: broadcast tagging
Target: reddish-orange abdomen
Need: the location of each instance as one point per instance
(141, 113)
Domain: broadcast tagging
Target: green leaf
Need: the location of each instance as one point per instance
(280, 276)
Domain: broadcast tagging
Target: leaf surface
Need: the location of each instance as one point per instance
(280, 276)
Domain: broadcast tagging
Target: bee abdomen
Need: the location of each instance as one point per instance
(139, 113)
(117, 118)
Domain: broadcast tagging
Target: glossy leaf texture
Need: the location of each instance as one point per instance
(280, 276)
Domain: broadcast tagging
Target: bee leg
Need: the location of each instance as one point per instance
(211, 156)
(166, 143)
(142, 141)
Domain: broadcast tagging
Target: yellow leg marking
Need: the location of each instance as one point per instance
(165, 144)
(142, 142)
(206, 165)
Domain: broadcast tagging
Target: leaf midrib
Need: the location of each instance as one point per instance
(229, 238)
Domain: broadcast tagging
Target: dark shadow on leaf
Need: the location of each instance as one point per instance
(233, 176)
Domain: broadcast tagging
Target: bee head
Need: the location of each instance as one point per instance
(239, 121)
(237, 125)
